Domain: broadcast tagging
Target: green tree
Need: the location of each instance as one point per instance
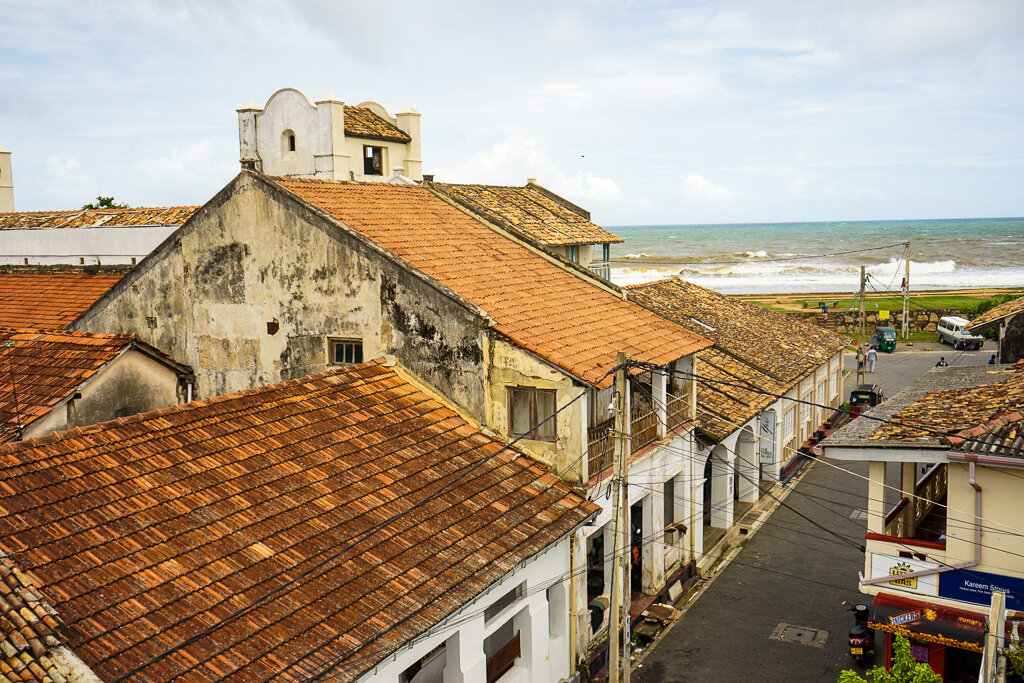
(104, 203)
(904, 668)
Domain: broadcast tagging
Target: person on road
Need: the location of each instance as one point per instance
(942, 362)
(992, 360)
(872, 357)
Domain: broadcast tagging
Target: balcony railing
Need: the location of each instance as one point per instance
(905, 518)
(601, 269)
(600, 447)
(644, 427)
(678, 411)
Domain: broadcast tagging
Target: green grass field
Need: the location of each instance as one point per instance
(895, 303)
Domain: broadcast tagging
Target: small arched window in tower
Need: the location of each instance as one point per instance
(287, 143)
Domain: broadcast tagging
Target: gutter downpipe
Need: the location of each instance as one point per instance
(972, 460)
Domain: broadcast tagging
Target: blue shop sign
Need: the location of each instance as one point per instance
(977, 587)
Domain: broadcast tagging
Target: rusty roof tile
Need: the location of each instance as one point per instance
(962, 412)
(528, 209)
(97, 218)
(1001, 311)
(537, 304)
(150, 528)
(782, 345)
(29, 628)
(360, 122)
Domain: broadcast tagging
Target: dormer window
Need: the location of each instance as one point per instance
(373, 160)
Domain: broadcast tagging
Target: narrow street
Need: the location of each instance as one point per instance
(794, 572)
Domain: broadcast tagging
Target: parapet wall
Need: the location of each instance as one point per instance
(848, 322)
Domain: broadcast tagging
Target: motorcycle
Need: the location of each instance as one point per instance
(861, 638)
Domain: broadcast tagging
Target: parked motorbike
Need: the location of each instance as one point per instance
(861, 638)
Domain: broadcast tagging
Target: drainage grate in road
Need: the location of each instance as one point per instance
(859, 514)
(799, 634)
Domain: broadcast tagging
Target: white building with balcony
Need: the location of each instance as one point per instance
(944, 522)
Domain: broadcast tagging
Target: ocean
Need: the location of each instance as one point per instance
(825, 257)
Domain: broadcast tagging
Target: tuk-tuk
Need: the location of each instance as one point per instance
(865, 396)
(884, 339)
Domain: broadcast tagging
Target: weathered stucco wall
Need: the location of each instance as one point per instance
(251, 289)
(510, 366)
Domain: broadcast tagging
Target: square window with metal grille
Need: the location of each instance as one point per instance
(345, 351)
(528, 413)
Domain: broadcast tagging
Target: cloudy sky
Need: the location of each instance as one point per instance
(644, 112)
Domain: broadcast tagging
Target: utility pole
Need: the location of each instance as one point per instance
(992, 669)
(860, 328)
(906, 291)
(621, 530)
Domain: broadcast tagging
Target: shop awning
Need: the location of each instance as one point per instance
(929, 622)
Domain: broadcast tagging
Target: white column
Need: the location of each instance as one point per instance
(722, 465)
(658, 391)
(532, 623)
(748, 469)
(465, 661)
(696, 517)
(653, 575)
(584, 425)
(876, 497)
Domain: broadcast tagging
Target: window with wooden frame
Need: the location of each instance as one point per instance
(528, 413)
(373, 160)
(344, 351)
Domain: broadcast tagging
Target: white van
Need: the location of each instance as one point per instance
(953, 330)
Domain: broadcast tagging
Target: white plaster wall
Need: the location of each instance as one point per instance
(106, 246)
(543, 658)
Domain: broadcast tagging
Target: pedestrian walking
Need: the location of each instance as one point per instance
(872, 357)
(942, 362)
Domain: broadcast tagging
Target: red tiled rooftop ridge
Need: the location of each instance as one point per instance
(49, 298)
(97, 218)
(537, 304)
(148, 529)
(530, 210)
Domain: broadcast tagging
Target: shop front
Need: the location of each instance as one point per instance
(949, 640)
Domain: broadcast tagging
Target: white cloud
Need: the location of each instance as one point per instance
(67, 184)
(181, 164)
(697, 188)
(513, 160)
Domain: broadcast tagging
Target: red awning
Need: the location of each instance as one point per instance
(929, 622)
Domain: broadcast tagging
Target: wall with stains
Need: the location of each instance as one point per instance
(511, 366)
(252, 288)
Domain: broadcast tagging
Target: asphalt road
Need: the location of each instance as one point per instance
(794, 572)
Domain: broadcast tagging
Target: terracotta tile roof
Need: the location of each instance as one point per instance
(953, 410)
(1003, 436)
(29, 628)
(537, 304)
(529, 210)
(360, 122)
(783, 345)
(39, 370)
(730, 392)
(97, 218)
(48, 298)
(1002, 310)
(370, 507)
